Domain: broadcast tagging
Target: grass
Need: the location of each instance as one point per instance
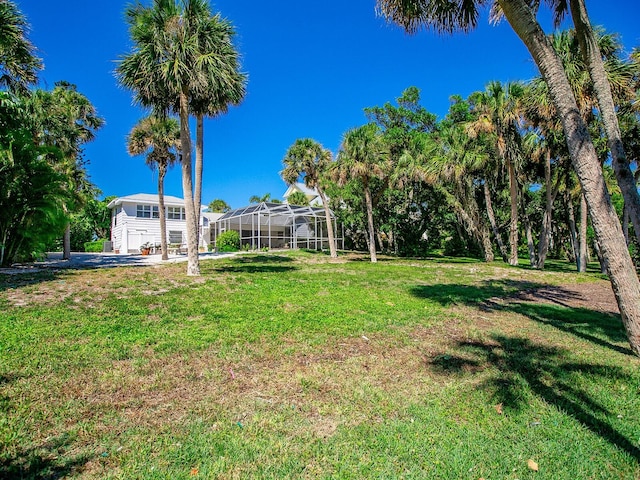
(297, 366)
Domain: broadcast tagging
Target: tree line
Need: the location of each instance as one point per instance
(45, 188)
(404, 178)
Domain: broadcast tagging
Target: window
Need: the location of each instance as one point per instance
(176, 213)
(147, 211)
(175, 236)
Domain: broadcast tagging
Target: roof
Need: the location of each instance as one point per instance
(147, 198)
(267, 209)
(301, 187)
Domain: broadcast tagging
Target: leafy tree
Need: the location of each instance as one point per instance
(182, 61)
(219, 206)
(309, 160)
(159, 139)
(452, 16)
(32, 192)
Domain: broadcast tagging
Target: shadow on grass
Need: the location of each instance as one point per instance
(19, 280)
(523, 365)
(48, 460)
(604, 329)
(256, 264)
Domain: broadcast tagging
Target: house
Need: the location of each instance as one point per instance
(135, 220)
(311, 193)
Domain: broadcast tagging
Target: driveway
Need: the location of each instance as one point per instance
(103, 260)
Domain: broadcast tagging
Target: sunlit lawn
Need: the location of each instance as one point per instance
(294, 366)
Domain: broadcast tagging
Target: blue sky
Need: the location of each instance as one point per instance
(313, 67)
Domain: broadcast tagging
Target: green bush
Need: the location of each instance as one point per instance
(95, 246)
(228, 241)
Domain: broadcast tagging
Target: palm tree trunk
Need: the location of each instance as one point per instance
(625, 223)
(545, 231)
(197, 196)
(193, 266)
(593, 59)
(513, 227)
(573, 233)
(66, 242)
(582, 262)
(162, 171)
(327, 213)
(372, 232)
(624, 280)
(531, 248)
(492, 221)
(477, 231)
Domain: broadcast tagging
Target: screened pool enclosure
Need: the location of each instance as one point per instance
(278, 225)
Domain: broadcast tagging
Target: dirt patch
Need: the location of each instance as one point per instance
(596, 296)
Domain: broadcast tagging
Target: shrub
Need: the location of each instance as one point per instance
(95, 246)
(228, 241)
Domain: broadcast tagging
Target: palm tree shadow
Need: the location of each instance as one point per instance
(43, 461)
(601, 328)
(256, 264)
(522, 364)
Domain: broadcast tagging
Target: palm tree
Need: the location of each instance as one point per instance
(363, 156)
(447, 16)
(226, 84)
(66, 119)
(260, 199)
(498, 114)
(219, 206)
(308, 159)
(159, 139)
(178, 64)
(592, 55)
(297, 198)
(18, 63)
(452, 161)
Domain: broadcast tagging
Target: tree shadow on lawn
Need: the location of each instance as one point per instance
(523, 365)
(256, 264)
(600, 328)
(10, 281)
(49, 460)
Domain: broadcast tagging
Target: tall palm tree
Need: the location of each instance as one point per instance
(363, 156)
(177, 63)
(593, 57)
(450, 16)
(498, 114)
(66, 119)
(226, 84)
(159, 139)
(308, 159)
(18, 63)
(451, 162)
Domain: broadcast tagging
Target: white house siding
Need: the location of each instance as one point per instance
(128, 231)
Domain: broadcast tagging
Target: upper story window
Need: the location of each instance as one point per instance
(176, 213)
(147, 211)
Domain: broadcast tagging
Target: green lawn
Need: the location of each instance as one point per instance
(294, 366)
